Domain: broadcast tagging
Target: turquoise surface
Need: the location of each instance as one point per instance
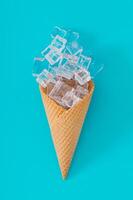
(103, 164)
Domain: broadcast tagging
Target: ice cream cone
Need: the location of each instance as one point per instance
(66, 126)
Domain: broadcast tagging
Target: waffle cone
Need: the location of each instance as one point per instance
(66, 126)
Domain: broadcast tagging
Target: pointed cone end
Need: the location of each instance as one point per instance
(64, 174)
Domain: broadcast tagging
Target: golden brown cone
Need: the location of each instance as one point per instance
(66, 126)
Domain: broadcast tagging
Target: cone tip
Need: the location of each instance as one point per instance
(64, 175)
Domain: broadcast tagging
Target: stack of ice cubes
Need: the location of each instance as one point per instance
(62, 68)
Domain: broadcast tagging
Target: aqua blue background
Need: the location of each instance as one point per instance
(103, 164)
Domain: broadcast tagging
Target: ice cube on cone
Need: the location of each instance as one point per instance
(58, 91)
(70, 99)
(82, 76)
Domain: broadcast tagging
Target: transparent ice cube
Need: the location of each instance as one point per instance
(66, 71)
(53, 70)
(70, 57)
(82, 76)
(63, 72)
(45, 51)
(45, 77)
(70, 67)
(84, 61)
(70, 82)
(41, 82)
(58, 43)
(80, 91)
(63, 61)
(85, 86)
(53, 57)
(42, 79)
(50, 86)
(48, 74)
(74, 47)
(58, 91)
(70, 99)
(72, 36)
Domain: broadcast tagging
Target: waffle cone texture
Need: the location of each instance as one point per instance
(65, 126)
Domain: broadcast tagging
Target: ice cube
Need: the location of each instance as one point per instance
(58, 31)
(63, 61)
(74, 47)
(58, 43)
(50, 86)
(84, 61)
(70, 99)
(42, 79)
(70, 82)
(63, 72)
(48, 74)
(72, 36)
(53, 70)
(41, 82)
(45, 77)
(58, 91)
(45, 51)
(70, 67)
(82, 76)
(85, 86)
(70, 57)
(53, 57)
(80, 91)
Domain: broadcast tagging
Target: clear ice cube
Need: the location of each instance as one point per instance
(53, 70)
(58, 91)
(63, 72)
(45, 51)
(72, 36)
(70, 67)
(45, 77)
(70, 99)
(82, 76)
(42, 79)
(74, 48)
(70, 82)
(63, 61)
(80, 91)
(41, 82)
(53, 57)
(58, 43)
(48, 74)
(50, 86)
(70, 57)
(84, 61)
(86, 85)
